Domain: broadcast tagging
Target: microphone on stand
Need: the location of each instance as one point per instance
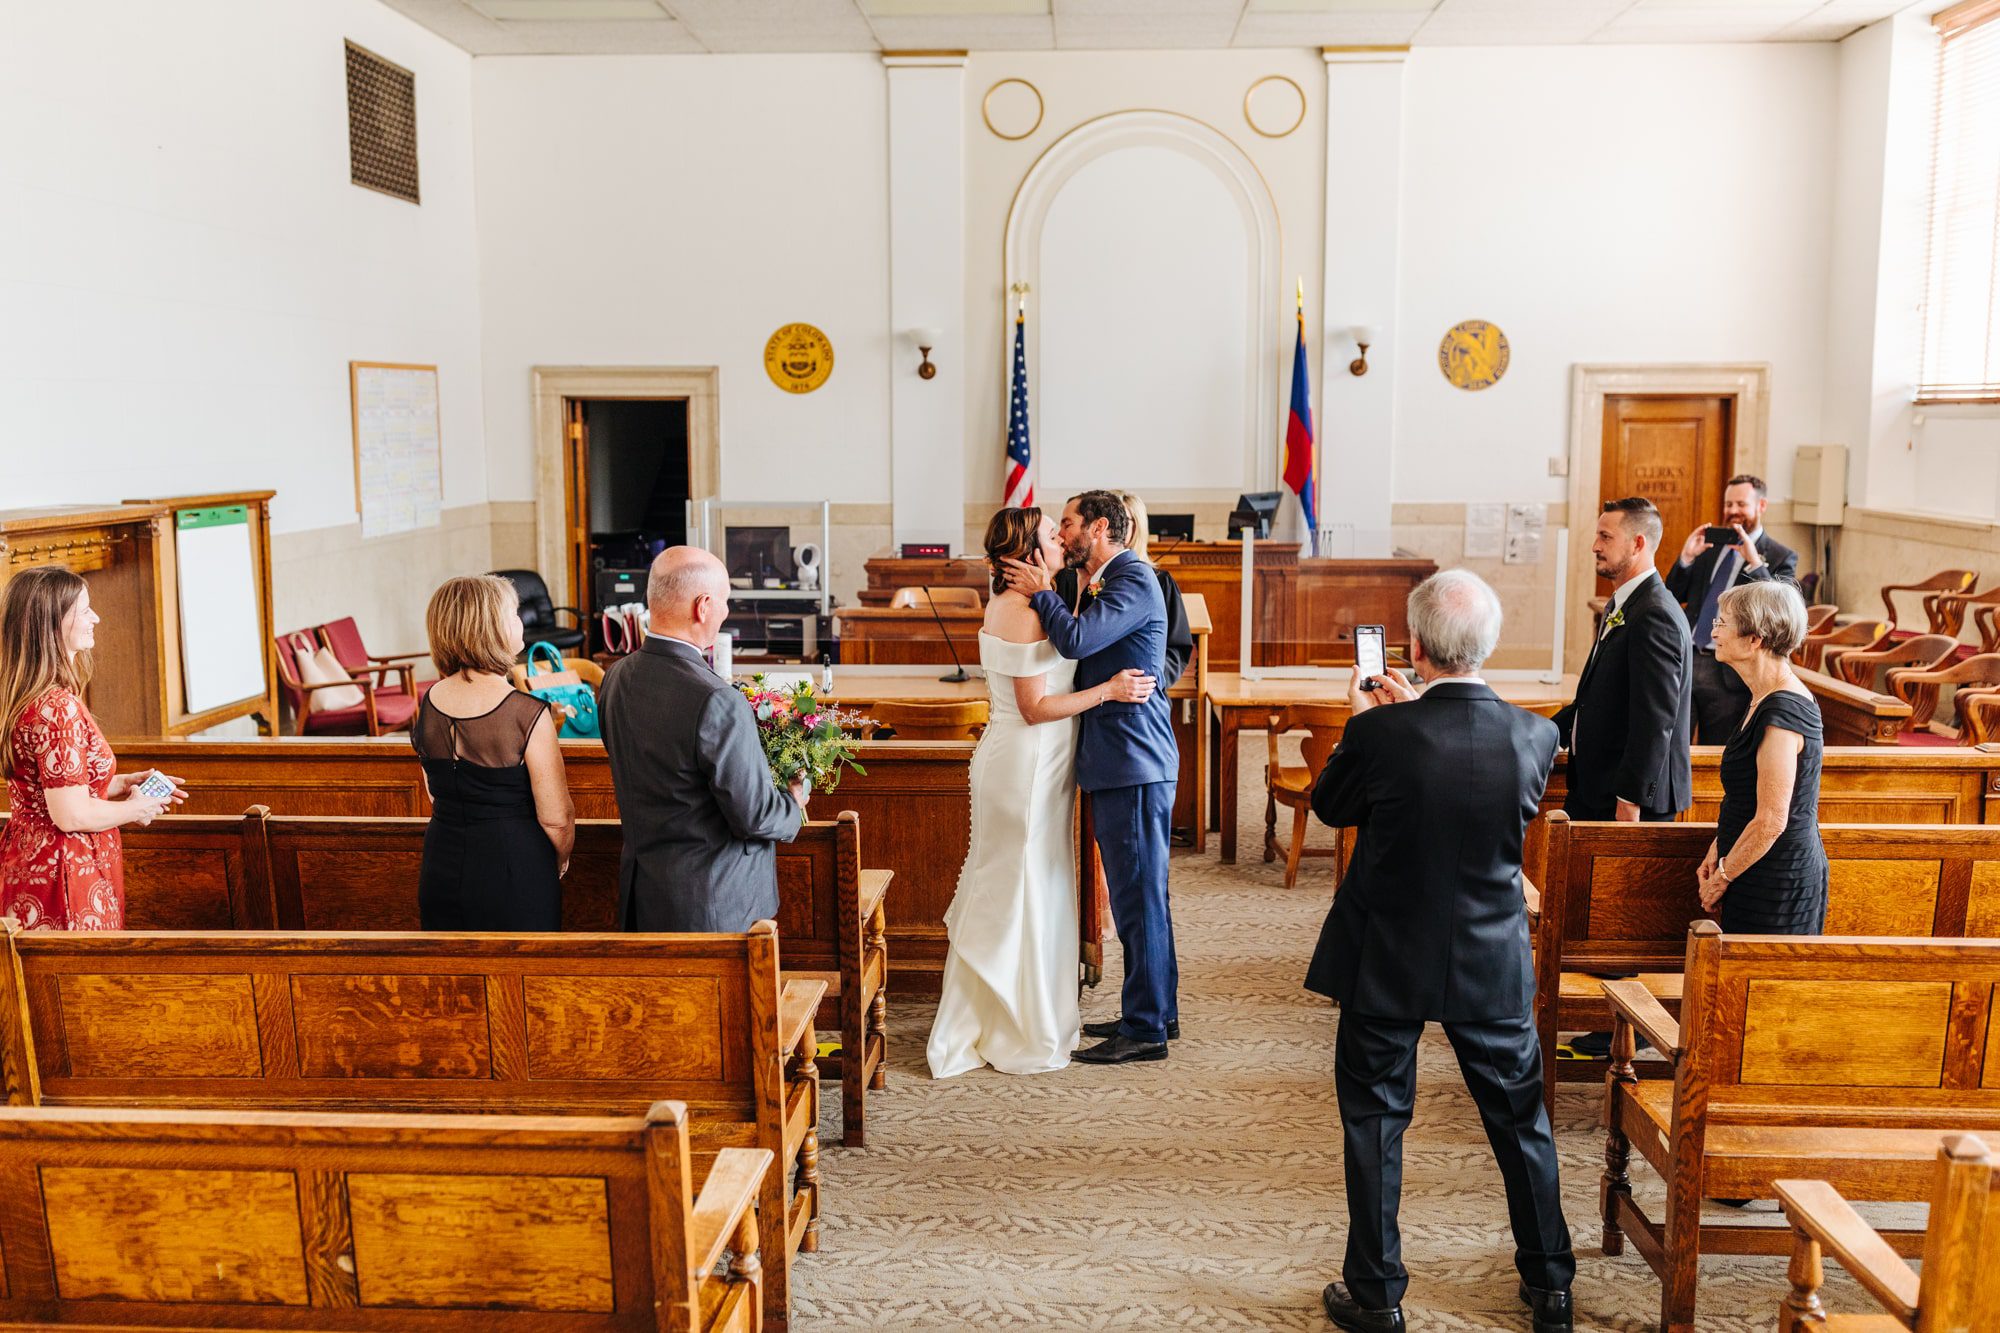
(958, 668)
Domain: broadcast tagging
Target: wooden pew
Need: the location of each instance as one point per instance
(1867, 785)
(1960, 1285)
(361, 874)
(512, 1024)
(1619, 897)
(121, 1219)
(1854, 714)
(1841, 1057)
(914, 800)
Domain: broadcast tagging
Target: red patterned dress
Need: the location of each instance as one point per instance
(51, 880)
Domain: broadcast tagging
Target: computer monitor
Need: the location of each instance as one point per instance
(759, 553)
(1255, 510)
(1173, 527)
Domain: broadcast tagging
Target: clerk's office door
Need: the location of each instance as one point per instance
(1677, 452)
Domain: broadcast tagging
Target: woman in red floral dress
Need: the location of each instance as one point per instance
(61, 863)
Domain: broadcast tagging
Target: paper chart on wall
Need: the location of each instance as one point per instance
(398, 470)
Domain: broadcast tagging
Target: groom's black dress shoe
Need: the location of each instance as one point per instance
(1122, 1050)
(1348, 1313)
(1109, 1028)
(1550, 1309)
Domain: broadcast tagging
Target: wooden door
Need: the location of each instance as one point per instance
(1677, 452)
(576, 507)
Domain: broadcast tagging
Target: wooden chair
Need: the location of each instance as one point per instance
(1941, 617)
(1919, 688)
(1851, 1054)
(1820, 616)
(1960, 1286)
(1978, 607)
(343, 636)
(1813, 652)
(528, 1024)
(1926, 652)
(1291, 785)
(376, 714)
(913, 599)
(944, 720)
(145, 1219)
(1978, 715)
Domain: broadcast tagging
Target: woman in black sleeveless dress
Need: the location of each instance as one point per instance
(501, 821)
(1767, 867)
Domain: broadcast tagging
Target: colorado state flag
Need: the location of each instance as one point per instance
(1299, 432)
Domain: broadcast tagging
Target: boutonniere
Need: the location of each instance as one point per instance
(1614, 620)
(1090, 591)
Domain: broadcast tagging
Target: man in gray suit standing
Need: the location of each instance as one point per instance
(695, 797)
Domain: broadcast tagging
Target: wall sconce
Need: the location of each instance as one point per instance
(924, 340)
(1365, 336)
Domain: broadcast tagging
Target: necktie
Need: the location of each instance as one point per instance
(1725, 574)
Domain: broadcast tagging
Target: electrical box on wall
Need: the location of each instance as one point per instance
(1819, 484)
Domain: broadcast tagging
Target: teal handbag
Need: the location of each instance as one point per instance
(572, 701)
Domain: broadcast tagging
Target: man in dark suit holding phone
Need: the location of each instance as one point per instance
(1628, 730)
(1430, 925)
(1714, 560)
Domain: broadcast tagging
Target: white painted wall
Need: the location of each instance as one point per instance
(185, 269)
(1078, 88)
(1625, 203)
(1145, 349)
(675, 210)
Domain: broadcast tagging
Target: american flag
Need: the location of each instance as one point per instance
(1020, 486)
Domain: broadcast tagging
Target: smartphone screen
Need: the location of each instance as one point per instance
(1721, 536)
(1370, 657)
(156, 786)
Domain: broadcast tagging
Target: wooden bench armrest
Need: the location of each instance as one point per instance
(1817, 1211)
(399, 657)
(730, 1191)
(1631, 1002)
(1532, 896)
(874, 885)
(796, 1007)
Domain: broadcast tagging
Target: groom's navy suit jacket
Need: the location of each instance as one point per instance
(1123, 626)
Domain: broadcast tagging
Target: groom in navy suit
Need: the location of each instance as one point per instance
(1125, 759)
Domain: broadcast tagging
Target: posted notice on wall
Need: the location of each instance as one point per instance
(1525, 526)
(398, 461)
(1485, 531)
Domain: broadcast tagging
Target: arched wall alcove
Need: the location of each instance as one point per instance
(1151, 248)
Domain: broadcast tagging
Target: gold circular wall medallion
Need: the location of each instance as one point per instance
(1267, 114)
(1007, 113)
(1473, 354)
(798, 358)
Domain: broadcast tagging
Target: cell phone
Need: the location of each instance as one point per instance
(157, 786)
(1720, 536)
(1371, 654)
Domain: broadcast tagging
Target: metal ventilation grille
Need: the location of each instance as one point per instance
(381, 124)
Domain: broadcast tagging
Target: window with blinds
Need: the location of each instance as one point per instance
(1961, 354)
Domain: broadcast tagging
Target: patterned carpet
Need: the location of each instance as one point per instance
(1205, 1191)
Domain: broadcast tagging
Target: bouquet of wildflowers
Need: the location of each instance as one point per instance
(803, 735)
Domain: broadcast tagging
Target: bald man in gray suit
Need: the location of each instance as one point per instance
(700, 812)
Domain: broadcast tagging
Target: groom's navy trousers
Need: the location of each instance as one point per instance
(1132, 825)
(1127, 761)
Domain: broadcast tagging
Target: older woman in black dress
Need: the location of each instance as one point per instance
(1766, 868)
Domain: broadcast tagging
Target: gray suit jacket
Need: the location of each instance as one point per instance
(699, 810)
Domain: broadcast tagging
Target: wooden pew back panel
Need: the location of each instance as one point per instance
(1811, 1029)
(138, 1219)
(1624, 895)
(407, 1022)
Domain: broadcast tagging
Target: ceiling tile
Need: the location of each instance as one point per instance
(664, 37)
(952, 8)
(568, 11)
(1000, 33)
(1336, 6)
(461, 25)
(1141, 33)
(1370, 29)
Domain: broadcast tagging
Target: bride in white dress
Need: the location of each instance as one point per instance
(1010, 979)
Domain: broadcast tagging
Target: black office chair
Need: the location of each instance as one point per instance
(538, 613)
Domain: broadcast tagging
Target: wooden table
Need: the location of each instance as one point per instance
(1241, 705)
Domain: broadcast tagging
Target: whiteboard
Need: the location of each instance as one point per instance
(222, 634)
(398, 463)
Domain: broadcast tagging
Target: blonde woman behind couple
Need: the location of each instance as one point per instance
(1009, 996)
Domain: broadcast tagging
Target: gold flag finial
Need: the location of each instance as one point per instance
(1302, 292)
